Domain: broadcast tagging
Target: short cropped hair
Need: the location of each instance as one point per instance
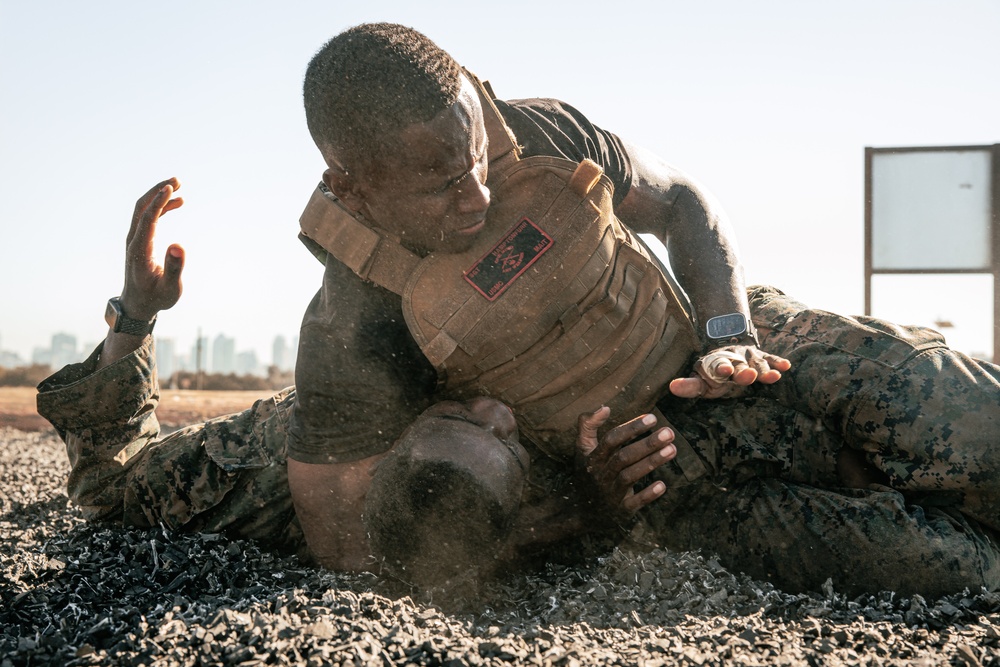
(369, 82)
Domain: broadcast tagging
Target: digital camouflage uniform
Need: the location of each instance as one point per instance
(226, 475)
(766, 495)
(758, 484)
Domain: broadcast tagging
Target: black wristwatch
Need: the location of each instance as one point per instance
(730, 329)
(122, 323)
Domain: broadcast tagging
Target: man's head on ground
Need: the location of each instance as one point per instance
(401, 129)
(444, 499)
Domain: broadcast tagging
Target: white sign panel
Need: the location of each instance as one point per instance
(931, 210)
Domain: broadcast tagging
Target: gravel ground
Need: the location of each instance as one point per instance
(77, 594)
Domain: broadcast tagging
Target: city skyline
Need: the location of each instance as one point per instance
(219, 353)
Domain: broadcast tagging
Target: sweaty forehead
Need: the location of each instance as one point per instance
(443, 144)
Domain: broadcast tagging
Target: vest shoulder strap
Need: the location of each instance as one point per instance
(369, 253)
(503, 148)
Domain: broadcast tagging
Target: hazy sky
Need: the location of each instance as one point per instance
(768, 104)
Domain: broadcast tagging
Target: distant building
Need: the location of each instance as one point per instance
(283, 354)
(60, 352)
(247, 364)
(224, 354)
(10, 359)
(42, 356)
(63, 350)
(217, 355)
(166, 359)
(199, 354)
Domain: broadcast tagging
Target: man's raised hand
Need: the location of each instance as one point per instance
(149, 287)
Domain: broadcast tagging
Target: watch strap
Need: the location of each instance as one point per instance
(748, 337)
(120, 322)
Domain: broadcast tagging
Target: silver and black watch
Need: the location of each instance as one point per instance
(730, 329)
(122, 323)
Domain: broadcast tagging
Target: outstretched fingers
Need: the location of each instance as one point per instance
(150, 287)
(636, 501)
(636, 460)
(624, 455)
(617, 437)
(140, 246)
(645, 455)
(770, 367)
(145, 201)
(726, 371)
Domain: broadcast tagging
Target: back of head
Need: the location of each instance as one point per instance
(433, 527)
(369, 82)
(442, 503)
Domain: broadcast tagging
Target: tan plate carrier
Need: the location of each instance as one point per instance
(579, 315)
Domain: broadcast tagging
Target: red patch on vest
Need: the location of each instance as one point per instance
(508, 259)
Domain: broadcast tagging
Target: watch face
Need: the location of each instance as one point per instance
(112, 313)
(726, 326)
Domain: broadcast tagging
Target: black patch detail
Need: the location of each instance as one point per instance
(508, 259)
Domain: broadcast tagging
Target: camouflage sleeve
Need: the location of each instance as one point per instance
(105, 417)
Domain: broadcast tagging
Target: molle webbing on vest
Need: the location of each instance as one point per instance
(590, 319)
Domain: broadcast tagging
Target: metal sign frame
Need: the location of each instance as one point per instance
(994, 269)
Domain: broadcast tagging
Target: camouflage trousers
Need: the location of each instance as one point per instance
(759, 483)
(228, 474)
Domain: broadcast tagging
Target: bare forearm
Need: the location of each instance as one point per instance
(665, 202)
(329, 502)
(701, 246)
(703, 255)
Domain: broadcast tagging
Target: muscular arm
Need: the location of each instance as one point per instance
(666, 203)
(653, 197)
(329, 501)
(360, 381)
